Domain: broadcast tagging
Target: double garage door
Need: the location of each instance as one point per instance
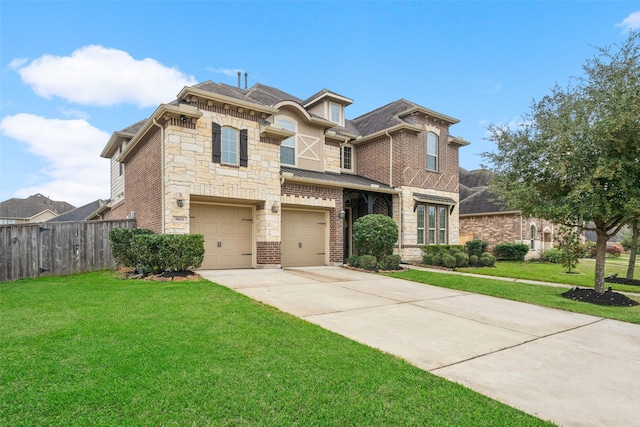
(228, 236)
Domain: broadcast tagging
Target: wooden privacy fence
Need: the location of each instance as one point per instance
(55, 249)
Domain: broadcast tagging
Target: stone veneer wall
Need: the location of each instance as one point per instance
(410, 250)
(336, 229)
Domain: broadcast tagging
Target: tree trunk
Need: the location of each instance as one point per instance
(634, 249)
(601, 253)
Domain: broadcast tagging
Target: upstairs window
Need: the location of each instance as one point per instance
(432, 151)
(335, 112)
(230, 146)
(288, 146)
(346, 157)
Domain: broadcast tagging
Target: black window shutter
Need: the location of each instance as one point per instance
(217, 142)
(244, 149)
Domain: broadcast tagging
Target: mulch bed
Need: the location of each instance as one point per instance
(167, 276)
(607, 298)
(622, 281)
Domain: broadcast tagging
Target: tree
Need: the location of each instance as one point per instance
(575, 157)
(570, 248)
(630, 243)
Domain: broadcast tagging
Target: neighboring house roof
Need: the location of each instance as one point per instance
(79, 214)
(475, 197)
(342, 180)
(32, 206)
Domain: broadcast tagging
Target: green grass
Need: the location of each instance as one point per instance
(555, 273)
(95, 350)
(547, 296)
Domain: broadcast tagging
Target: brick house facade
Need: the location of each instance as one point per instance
(272, 180)
(484, 218)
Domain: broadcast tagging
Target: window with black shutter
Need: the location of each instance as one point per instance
(217, 142)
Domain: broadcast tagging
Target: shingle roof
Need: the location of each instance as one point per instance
(31, 206)
(78, 214)
(381, 118)
(346, 180)
(134, 128)
(476, 178)
(434, 199)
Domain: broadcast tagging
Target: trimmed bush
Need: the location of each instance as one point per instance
(168, 252)
(375, 235)
(390, 262)
(441, 249)
(354, 260)
(368, 262)
(462, 259)
(120, 242)
(552, 255)
(511, 251)
(487, 260)
(473, 260)
(476, 247)
(436, 259)
(449, 261)
(427, 259)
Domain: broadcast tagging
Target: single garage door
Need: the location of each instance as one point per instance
(227, 232)
(303, 238)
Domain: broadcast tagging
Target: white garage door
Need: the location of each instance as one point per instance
(227, 234)
(303, 238)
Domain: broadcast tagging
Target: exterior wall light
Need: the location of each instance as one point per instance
(341, 215)
(180, 203)
(183, 118)
(275, 208)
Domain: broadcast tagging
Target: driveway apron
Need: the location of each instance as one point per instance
(569, 368)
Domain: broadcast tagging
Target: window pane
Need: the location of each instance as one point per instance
(346, 157)
(287, 155)
(432, 163)
(335, 113)
(229, 146)
(432, 224)
(442, 221)
(420, 212)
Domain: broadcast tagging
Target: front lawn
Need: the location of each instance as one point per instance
(547, 296)
(555, 273)
(94, 350)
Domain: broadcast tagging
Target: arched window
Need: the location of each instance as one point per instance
(288, 146)
(432, 151)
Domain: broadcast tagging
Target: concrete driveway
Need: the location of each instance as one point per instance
(572, 369)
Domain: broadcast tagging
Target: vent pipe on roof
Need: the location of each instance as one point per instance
(246, 75)
(239, 73)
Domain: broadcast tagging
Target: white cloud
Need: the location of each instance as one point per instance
(231, 72)
(70, 150)
(631, 22)
(73, 113)
(96, 75)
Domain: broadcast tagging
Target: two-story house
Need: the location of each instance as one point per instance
(272, 180)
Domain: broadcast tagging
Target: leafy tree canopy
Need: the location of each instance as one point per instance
(576, 156)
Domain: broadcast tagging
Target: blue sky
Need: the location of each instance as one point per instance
(74, 72)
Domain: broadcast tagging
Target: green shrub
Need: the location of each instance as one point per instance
(353, 260)
(462, 259)
(436, 259)
(168, 252)
(440, 249)
(427, 259)
(368, 262)
(476, 247)
(449, 261)
(473, 260)
(552, 255)
(487, 260)
(390, 262)
(120, 242)
(375, 235)
(511, 251)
